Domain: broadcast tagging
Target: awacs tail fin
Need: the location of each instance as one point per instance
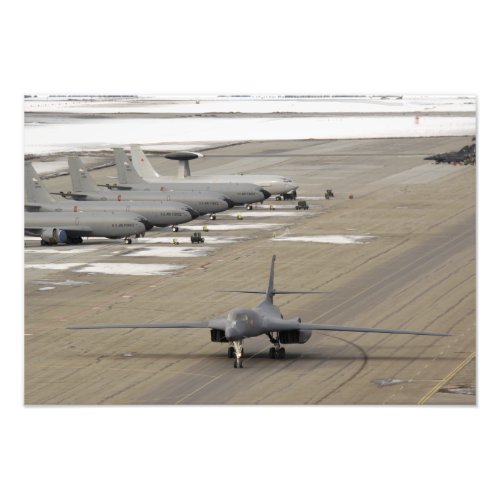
(271, 291)
(35, 190)
(141, 163)
(127, 174)
(80, 177)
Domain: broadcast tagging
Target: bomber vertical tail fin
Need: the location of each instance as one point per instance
(80, 177)
(270, 287)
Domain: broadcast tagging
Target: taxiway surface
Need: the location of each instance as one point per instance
(414, 270)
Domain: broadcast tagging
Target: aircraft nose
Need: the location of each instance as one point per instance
(144, 223)
(236, 331)
(229, 202)
(193, 214)
(141, 228)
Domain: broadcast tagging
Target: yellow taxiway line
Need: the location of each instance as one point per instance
(446, 379)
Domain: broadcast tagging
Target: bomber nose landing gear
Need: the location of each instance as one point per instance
(236, 351)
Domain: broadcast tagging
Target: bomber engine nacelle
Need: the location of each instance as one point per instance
(218, 335)
(295, 336)
(54, 236)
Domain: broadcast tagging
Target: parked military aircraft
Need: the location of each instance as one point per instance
(264, 319)
(154, 213)
(274, 184)
(71, 228)
(466, 156)
(85, 188)
(239, 193)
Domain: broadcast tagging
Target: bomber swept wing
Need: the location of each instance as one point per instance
(264, 319)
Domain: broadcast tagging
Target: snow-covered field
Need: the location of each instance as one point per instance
(98, 134)
(61, 133)
(254, 104)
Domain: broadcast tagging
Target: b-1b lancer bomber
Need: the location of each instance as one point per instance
(264, 319)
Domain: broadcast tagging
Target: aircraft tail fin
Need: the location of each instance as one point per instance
(141, 163)
(270, 287)
(127, 174)
(80, 177)
(271, 291)
(35, 190)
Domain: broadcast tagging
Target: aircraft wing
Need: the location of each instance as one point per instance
(337, 328)
(32, 207)
(118, 187)
(71, 231)
(203, 324)
(74, 196)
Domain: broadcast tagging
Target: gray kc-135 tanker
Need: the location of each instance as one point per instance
(274, 184)
(264, 319)
(85, 188)
(70, 228)
(241, 193)
(153, 213)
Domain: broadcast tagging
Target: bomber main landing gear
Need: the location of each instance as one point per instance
(276, 352)
(236, 351)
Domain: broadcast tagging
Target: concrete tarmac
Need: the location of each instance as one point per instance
(415, 269)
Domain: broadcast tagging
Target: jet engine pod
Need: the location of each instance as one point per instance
(295, 336)
(54, 236)
(218, 335)
(183, 155)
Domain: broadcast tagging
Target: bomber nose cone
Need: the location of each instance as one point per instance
(235, 331)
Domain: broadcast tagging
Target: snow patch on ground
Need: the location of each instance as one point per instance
(186, 239)
(59, 250)
(337, 239)
(271, 213)
(129, 269)
(54, 267)
(232, 227)
(171, 251)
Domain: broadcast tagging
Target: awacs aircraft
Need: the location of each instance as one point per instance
(238, 193)
(274, 184)
(265, 319)
(154, 213)
(85, 188)
(71, 228)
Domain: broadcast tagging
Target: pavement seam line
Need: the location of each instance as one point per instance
(446, 379)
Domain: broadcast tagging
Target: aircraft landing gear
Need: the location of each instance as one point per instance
(212, 217)
(175, 229)
(236, 351)
(128, 241)
(276, 352)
